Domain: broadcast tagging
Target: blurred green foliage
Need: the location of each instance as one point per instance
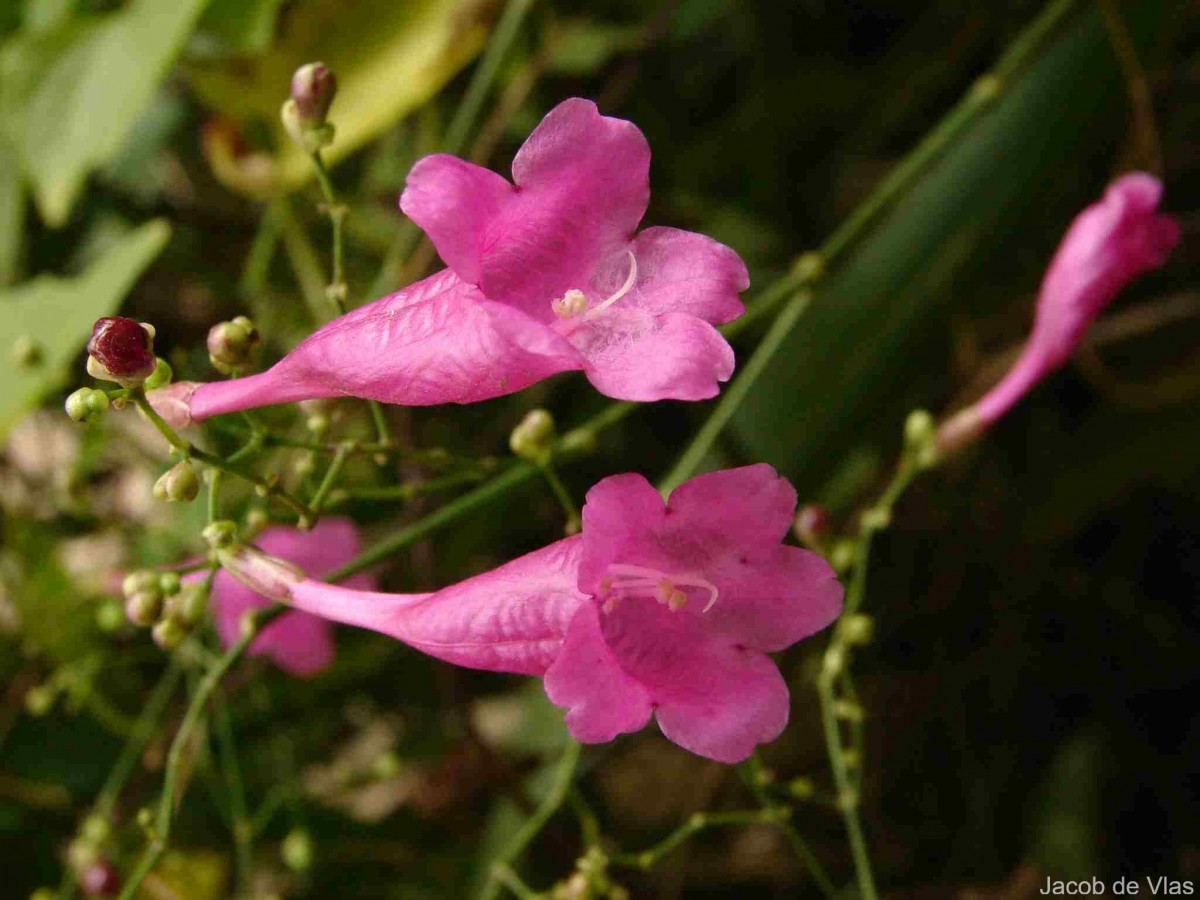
(1030, 697)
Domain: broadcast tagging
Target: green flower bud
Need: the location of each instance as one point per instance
(81, 854)
(168, 634)
(802, 788)
(141, 581)
(95, 829)
(110, 616)
(297, 850)
(920, 435)
(533, 439)
(220, 534)
(179, 484)
(190, 605)
(857, 629)
(86, 405)
(144, 609)
(232, 345)
(387, 765)
(169, 583)
(44, 893)
(39, 700)
(842, 557)
(256, 520)
(161, 376)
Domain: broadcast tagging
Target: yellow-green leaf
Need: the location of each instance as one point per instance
(390, 57)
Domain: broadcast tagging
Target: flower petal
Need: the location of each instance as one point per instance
(583, 183)
(437, 341)
(771, 597)
(735, 700)
(635, 355)
(746, 506)
(684, 272)
(602, 700)
(711, 697)
(617, 513)
(511, 619)
(457, 204)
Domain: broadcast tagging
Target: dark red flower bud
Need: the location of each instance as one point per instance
(100, 880)
(812, 524)
(122, 349)
(313, 88)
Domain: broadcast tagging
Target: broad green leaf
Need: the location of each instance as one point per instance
(69, 96)
(868, 344)
(238, 26)
(12, 214)
(56, 314)
(389, 58)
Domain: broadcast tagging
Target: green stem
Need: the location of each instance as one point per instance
(563, 776)
(243, 831)
(900, 179)
(508, 878)
(752, 775)
(510, 478)
(186, 449)
(336, 291)
(166, 804)
(331, 476)
(406, 491)
(650, 857)
(563, 495)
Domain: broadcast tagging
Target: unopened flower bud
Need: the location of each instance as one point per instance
(533, 439)
(169, 583)
(100, 879)
(297, 850)
(812, 524)
(189, 606)
(161, 376)
(179, 484)
(144, 609)
(848, 711)
(317, 425)
(141, 581)
(39, 700)
(81, 854)
(802, 788)
(86, 404)
(920, 435)
(313, 88)
(110, 616)
(842, 557)
(121, 350)
(95, 829)
(857, 629)
(169, 634)
(220, 534)
(232, 345)
(44, 893)
(256, 520)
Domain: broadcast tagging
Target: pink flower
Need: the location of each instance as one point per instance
(297, 642)
(664, 609)
(546, 274)
(1109, 244)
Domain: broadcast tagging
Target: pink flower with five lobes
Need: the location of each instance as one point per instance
(1111, 243)
(654, 609)
(297, 642)
(546, 274)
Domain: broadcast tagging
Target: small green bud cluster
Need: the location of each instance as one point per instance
(533, 439)
(179, 484)
(232, 345)
(589, 881)
(163, 602)
(920, 438)
(86, 404)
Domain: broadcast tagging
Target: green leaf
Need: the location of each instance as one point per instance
(239, 26)
(389, 58)
(870, 342)
(12, 214)
(57, 314)
(69, 96)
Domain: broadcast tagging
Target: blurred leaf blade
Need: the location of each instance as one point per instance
(866, 340)
(71, 95)
(57, 314)
(390, 58)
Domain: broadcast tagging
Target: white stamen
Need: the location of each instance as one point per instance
(623, 580)
(621, 292)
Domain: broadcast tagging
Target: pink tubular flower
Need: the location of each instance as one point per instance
(546, 274)
(1109, 244)
(655, 608)
(299, 643)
